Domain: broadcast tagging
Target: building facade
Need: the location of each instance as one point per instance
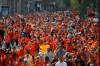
(27, 6)
(10, 6)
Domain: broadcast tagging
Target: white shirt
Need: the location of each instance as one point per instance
(61, 63)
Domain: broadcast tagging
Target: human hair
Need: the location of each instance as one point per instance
(47, 59)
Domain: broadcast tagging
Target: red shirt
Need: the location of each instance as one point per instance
(27, 39)
(20, 39)
(8, 39)
(20, 53)
(11, 34)
(69, 48)
(66, 42)
(26, 47)
(32, 51)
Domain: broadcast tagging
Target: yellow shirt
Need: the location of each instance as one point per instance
(44, 48)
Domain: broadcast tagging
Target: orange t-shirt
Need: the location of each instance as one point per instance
(44, 48)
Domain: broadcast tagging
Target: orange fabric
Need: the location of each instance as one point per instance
(44, 47)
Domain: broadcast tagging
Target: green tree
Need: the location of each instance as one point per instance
(83, 6)
(74, 4)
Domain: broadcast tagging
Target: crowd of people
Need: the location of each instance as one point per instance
(60, 38)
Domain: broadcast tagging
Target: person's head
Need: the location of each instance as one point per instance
(61, 58)
(47, 59)
(37, 59)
